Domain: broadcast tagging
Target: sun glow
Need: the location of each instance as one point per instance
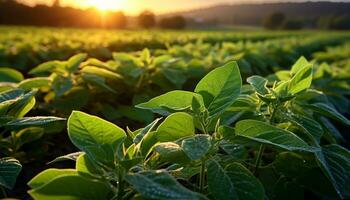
(105, 5)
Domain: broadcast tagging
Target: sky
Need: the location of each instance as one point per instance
(133, 7)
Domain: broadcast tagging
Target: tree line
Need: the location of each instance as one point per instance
(14, 13)
(278, 20)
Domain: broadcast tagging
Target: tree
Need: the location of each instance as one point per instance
(147, 19)
(334, 22)
(274, 20)
(174, 22)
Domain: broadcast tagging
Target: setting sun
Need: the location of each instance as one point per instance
(107, 4)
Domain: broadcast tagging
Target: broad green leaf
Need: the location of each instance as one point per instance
(259, 84)
(71, 187)
(172, 152)
(98, 81)
(160, 185)
(283, 75)
(196, 147)
(299, 65)
(233, 182)
(10, 75)
(8, 98)
(176, 126)
(175, 76)
(62, 84)
(328, 111)
(47, 67)
(74, 62)
(301, 81)
(32, 83)
(175, 100)
(334, 161)
(282, 89)
(266, 134)
(48, 175)
(310, 126)
(86, 167)
(32, 122)
(331, 131)
(23, 105)
(9, 170)
(101, 72)
(220, 88)
(95, 136)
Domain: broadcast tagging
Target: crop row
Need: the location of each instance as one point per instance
(26, 47)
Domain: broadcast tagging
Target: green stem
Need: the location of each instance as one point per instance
(202, 177)
(258, 159)
(272, 117)
(3, 192)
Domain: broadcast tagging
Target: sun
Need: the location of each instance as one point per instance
(105, 5)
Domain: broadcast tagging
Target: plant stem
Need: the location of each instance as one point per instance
(202, 176)
(258, 159)
(272, 117)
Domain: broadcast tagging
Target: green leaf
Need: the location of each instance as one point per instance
(299, 65)
(46, 68)
(301, 81)
(138, 138)
(71, 156)
(266, 134)
(233, 182)
(334, 161)
(61, 85)
(196, 147)
(9, 170)
(71, 187)
(28, 135)
(220, 88)
(33, 83)
(48, 175)
(100, 139)
(23, 105)
(172, 152)
(259, 84)
(10, 95)
(10, 75)
(328, 111)
(160, 185)
(98, 81)
(86, 167)
(175, 100)
(32, 122)
(101, 72)
(74, 62)
(176, 126)
(310, 126)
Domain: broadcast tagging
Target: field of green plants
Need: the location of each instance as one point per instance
(101, 114)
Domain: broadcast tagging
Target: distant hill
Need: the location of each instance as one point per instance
(253, 14)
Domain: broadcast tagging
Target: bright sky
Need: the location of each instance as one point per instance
(133, 7)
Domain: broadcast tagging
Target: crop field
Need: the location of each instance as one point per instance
(89, 114)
